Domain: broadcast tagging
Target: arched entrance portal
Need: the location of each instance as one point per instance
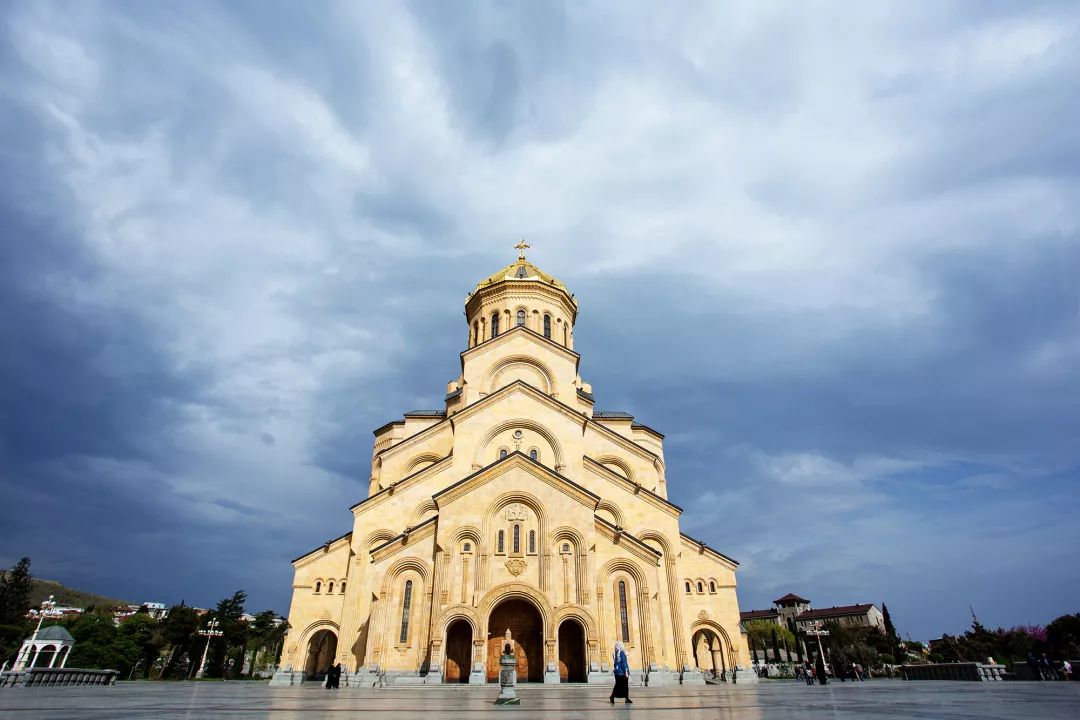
(571, 652)
(527, 628)
(321, 650)
(709, 654)
(458, 652)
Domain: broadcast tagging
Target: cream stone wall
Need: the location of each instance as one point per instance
(520, 450)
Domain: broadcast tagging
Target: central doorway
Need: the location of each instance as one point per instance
(527, 629)
(571, 652)
(458, 652)
(321, 650)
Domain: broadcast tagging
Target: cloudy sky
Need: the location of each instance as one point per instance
(830, 249)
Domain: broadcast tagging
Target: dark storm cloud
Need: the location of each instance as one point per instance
(829, 251)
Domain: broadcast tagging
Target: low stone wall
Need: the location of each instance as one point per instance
(40, 677)
(953, 671)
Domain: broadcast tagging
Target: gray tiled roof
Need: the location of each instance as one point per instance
(425, 413)
(612, 414)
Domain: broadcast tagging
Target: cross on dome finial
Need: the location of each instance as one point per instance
(521, 247)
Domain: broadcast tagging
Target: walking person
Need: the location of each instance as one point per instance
(821, 674)
(335, 676)
(808, 673)
(621, 668)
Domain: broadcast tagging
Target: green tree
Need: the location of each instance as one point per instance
(761, 633)
(265, 637)
(139, 635)
(15, 588)
(1063, 637)
(178, 632)
(226, 652)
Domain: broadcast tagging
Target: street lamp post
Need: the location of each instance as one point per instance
(210, 633)
(818, 632)
(46, 609)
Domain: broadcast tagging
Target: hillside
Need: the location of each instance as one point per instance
(66, 596)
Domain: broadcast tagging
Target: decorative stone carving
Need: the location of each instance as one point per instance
(703, 615)
(516, 566)
(517, 511)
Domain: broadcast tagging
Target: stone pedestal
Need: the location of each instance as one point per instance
(507, 680)
(286, 678)
(551, 674)
(478, 675)
(744, 676)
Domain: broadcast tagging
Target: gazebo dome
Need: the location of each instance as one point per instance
(55, 632)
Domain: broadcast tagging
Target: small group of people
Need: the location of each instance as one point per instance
(1043, 669)
(333, 677)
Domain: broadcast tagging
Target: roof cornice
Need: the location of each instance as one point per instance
(636, 488)
(635, 545)
(704, 549)
(516, 459)
(324, 549)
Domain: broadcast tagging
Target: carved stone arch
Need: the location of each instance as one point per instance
(582, 615)
(316, 626)
(657, 538)
(516, 496)
(428, 458)
(732, 655)
(468, 532)
(549, 383)
(378, 537)
(630, 568)
(612, 508)
(566, 532)
(459, 612)
(521, 591)
(618, 462)
(403, 565)
(524, 424)
(424, 510)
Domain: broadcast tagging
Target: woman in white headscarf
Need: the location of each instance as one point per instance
(621, 669)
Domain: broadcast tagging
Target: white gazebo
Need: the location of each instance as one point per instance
(48, 647)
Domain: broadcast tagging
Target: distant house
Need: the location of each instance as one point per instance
(795, 613)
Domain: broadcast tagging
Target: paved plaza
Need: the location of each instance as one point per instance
(892, 699)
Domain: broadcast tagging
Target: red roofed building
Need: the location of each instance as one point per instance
(795, 613)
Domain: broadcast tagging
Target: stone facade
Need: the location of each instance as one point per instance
(518, 507)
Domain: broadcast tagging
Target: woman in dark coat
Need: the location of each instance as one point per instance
(621, 668)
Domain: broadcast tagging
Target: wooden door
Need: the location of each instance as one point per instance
(458, 652)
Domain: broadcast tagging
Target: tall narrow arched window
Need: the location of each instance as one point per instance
(712, 586)
(318, 586)
(688, 590)
(520, 317)
(566, 334)
(494, 324)
(476, 332)
(700, 587)
(623, 619)
(500, 543)
(330, 587)
(532, 542)
(533, 454)
(547, 326)
(406, 603)
(517, 538)
(342, 587)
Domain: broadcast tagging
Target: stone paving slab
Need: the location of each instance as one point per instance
(885, 699)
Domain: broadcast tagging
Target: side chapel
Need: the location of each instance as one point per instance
(519, 506)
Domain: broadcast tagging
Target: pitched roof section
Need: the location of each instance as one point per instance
(758, 615)
(612, 414)
(791, 597)
(837, 611)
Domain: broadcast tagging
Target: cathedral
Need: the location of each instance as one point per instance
(520, 507)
